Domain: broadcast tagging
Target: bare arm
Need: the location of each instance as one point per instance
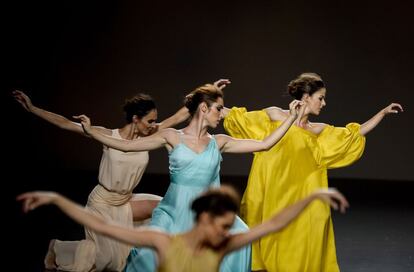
(154, 141)
(232, 145)
(377, 118)
(32, 200)
(180, 116)
(285, 217)
(53, 118)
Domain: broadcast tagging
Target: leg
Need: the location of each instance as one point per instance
(142, 206)
(50, 259)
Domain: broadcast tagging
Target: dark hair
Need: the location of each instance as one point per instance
(216, 201)
(207, 93)
(305, 83)
(139, 105)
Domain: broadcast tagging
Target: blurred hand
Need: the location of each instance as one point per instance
(32, 200)
(334, 198)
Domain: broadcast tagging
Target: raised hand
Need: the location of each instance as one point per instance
(392, 108)
(295, 107)
(32, 200)
(334, 198)
(85, 121)
(221, 83)
(23, 99)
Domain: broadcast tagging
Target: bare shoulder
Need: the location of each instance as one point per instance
(162, 242)
(276, 113)
(317, 128)
(222, 139)
(170, 135)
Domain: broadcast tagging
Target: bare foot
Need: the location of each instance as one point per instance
(50, 263)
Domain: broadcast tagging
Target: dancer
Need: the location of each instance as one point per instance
(194, 157)
(291, 170)
(112, 198)
(203, 246)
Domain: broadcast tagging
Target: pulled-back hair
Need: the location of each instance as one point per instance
(216, 201)
(308, 83)
(207, 93)
(139, 105)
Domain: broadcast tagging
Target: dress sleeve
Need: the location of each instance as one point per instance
(243, 124)
(339, 146)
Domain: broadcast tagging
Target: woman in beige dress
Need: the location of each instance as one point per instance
(112, 198)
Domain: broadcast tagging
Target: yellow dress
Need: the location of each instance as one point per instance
(179, 258)
(288, 172)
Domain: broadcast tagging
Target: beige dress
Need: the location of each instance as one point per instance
(119, 173)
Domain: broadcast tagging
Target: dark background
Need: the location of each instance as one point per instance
(86, 57)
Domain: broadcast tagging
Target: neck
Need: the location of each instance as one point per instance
(129, 132)
(197, 127)
(196, 239)
(303, 121)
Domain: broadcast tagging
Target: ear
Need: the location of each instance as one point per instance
(203, 107)
(205, 218)
(135, 119)
(305, 97)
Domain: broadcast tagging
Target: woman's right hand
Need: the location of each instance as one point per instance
(86, 123)
(32, 200)
(23, 99)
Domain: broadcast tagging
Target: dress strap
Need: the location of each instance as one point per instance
(180, 135)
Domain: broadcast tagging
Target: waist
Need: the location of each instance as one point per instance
(102, 195)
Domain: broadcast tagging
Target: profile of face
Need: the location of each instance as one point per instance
(218, 227)
(214, 112)
(316, 101)
(144, 126)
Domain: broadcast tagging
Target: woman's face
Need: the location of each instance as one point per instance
(214, 114)
(316, 101)
(219, 228)
(146, 124)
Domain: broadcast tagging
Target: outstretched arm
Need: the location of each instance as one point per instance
(232, 145)
(53, 118)
(287, 215)
(180, 116)
(374, 121)
(154, 141)
(33, 200)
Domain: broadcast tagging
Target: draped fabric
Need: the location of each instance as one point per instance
(285, 174)
(191, 174)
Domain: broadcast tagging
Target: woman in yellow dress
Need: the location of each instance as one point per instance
(200, 249)
(291, 170)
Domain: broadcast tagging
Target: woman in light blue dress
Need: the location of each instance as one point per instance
(194, 157)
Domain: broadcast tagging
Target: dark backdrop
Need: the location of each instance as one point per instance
(87, 57)
(75, 57)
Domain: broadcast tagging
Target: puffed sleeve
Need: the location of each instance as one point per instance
(243, 124)
(339, 146)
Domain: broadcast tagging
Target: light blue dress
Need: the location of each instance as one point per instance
(191, 173)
